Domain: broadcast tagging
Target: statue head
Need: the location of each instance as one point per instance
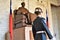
(23, 4)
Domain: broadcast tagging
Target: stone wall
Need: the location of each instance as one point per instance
(4, 18)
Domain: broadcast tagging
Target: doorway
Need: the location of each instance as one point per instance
(55, 20)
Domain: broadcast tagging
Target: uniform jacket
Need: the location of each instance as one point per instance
(40, 25)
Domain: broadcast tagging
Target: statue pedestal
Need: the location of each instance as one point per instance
(28, 33)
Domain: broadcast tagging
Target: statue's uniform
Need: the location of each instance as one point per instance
(39, 29)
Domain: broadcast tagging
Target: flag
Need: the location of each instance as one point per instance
(11, 22)
(47, 22)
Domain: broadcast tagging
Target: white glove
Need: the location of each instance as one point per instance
(54, 38)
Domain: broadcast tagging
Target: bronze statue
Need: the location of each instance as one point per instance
(21, 15)
(25, 11)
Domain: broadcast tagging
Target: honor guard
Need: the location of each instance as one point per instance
(39, 27)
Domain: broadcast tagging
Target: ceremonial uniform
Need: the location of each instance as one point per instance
(39, 29)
